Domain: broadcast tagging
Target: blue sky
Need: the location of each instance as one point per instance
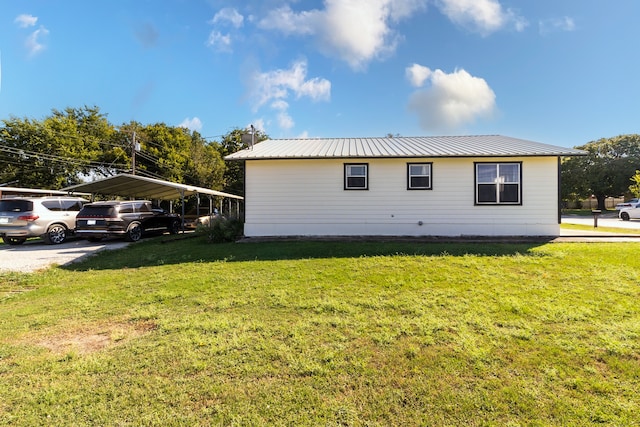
(563, 72)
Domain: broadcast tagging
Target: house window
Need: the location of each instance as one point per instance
(419, 176)
(356, 176)
(498, 183)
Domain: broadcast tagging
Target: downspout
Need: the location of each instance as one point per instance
(559, 191)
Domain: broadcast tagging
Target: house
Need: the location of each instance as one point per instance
(487, 185)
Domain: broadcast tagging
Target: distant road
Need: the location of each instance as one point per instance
(606, 220)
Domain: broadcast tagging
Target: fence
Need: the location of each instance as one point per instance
(592, 203)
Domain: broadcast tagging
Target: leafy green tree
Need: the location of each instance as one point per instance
(205, 167)
(77, 142)
(604, 172)
(635, 187)
(53, 152)
(236, 140)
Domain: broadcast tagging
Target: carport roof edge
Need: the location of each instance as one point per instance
(143, 187)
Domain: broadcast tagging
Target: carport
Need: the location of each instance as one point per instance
(142, 187)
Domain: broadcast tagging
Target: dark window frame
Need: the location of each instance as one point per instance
(347, 176)
(497, 192)
(409, 176)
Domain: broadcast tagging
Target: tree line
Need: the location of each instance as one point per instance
(77, 144)
(611, 168)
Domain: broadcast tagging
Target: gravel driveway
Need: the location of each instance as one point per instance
(36, 255)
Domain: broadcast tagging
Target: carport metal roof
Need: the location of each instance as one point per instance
(142, 187)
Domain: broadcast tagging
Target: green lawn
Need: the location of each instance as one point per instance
(326, 334)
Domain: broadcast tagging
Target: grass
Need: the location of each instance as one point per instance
(326, 333)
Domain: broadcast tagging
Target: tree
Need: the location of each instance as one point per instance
(604, 171)
(205, 167)
(69, 144)
(53, 152)
(170, 153)
(635, 187)
(234, 172)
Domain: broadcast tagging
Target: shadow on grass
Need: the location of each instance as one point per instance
(167, 251)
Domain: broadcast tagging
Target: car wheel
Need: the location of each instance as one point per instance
(56, 234)
(174, 227)
(624, 216)
(134, 233)
(14, 240)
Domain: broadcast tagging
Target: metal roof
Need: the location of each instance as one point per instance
(19, 191)
(142, 187)
(424, 146)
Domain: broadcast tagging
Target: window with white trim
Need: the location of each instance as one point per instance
(498, 183)
(356, 176)
(419, 176)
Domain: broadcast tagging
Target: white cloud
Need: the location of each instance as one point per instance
(285, 121)
(26, 21)
(557, 24)
(287, 21)
(452, 100)
(220, 42)
(280, 105)
(217, 40)
(280, 84)
(355, 31)
(228, 15)
(481, 16)
(417, 74)
(33, 42)
(191, 124)
(276, 87)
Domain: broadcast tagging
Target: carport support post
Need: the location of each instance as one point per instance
(596, 213)
(182, 204)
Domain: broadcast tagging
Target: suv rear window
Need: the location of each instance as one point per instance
(16, 206)
(97, 210)
(71, 205)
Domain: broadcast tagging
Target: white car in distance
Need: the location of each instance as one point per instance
(630, 212)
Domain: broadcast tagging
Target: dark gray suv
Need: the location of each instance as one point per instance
(52, 218)
(129, 219)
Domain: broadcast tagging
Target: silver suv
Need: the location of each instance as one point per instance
(52, 218)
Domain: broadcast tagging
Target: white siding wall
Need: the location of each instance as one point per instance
(307, 198)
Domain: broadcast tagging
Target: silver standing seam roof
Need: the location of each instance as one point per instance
(393, 147)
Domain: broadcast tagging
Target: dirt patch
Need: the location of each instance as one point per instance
(94, 338)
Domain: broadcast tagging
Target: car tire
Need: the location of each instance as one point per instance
(624, 216)
(174, 227)
(134, 232)
(13, 241)
(56, 234)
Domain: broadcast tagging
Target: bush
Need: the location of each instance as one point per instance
(221, 230)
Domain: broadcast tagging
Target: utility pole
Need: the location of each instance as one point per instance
(134, 147)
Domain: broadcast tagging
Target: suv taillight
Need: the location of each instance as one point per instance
(28, 217)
